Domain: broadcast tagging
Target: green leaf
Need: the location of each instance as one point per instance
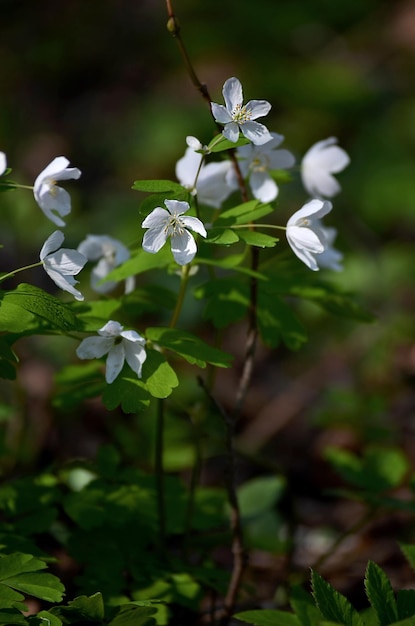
(157, 186)
(304, 607)
(219, 144)
(45, 618)
(83, 608)
(158, 376)
(333, 301)
(227, 300)
(277, 321)
(405, 602)
(129, 393)
(379, 469)
(332, 604)
(225, 237)
(409, 553)
(259, 495)
(27, 299)
(254, 238)
(188, 346)
(44, 586)
(20, 573)
(12, 617)
(231, 262)
(77, 383)
(133, 615)
(141, 262)
(9, 598)
(245, 213)
(380, 594)
(268, 617)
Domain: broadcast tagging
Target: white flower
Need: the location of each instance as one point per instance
(54, 201)
(61, 265)
(212, 187)
(3, 163)
(109, 253)
(172, 223)
(236, 116)
(322, 160)
(194, 143)
(256, 161)
(309, 239)
(120, 345)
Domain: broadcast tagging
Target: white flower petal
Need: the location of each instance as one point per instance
(98, 273)
(3, 163)
(258, 108)
(115, 362)
(66, 283)
(220, 113)
(214, 185)
(52, 243)
(305, 238)
(231, 132)
(135, 355)
(323, 159)
(58, 170)
(194, 224)
(193, 142)
(154, 239)
(264, 188)
(280, 159)
(129, 284)
(187, 168)
(111, 329)
(132, 335)
(177, 207)
(256, 132)
(65, 261)
(156, 218)
(232, 93)
(304, 255)
(94, 347)
(316, 208)
(183, 247)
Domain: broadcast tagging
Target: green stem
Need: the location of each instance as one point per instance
(181, 294)
(248, 226)
(20, 269)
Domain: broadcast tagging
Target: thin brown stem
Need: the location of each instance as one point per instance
(230, 420)
(238, 548)
(161, 509)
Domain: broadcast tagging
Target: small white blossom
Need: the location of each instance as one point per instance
(120, 345)
(194, 143)
(54, 201)
(322, 160)
(309, 239)
(162, 223)
(3, 163)
(109, 253)
(256, 162)
(211, 187)
(236, 116)
(62, 264)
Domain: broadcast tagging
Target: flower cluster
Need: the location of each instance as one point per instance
(258, 161)
(63, 264)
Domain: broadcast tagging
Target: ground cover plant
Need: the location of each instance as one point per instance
(168, 453)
